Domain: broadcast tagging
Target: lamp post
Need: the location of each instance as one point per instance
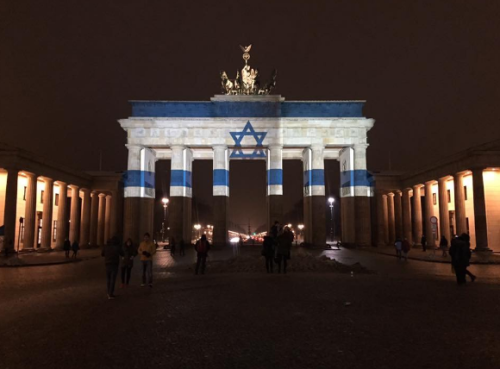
(331, 200)
(164, 225)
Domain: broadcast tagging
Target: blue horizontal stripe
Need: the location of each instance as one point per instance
(354, 178)
(314, 177)
(139, 178)
(270, 109)
(275, 177)
(180, 178)
(221, 177)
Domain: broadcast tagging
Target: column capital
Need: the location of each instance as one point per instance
(47, 180)
(134, 147)
(218, 147)
(443, 179)
(418, 186)
(317, 147)
(275, 146)
(177, 147)
(360, 146)
(430, 183)
(101, 195)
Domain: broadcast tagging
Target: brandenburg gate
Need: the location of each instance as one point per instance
(247, 122)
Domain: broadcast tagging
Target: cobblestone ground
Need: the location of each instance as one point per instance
(406, 315)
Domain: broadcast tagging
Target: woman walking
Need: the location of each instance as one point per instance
(443, 245)
(129, 253)
(67, 247)
(75, 247)
(268, 253)
(283, 248)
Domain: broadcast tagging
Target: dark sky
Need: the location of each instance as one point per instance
(428, 69)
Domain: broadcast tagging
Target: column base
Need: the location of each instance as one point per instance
(179, 219)
(483, 249)
(315, 222)
(363, 235)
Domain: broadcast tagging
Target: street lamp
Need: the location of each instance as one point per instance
(164, 225)
(331, 200)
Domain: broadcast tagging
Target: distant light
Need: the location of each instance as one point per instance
(301, 226)
(331, 200)
(197, 227)
(289, 225)
(234, 240)
(164, 201)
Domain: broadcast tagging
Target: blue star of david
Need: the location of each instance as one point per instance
(259, 139)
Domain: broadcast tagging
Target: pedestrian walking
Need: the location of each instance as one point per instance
(443, 245)
(275, 230)
(66, 247)
(460, 258)
(182, 247)
(268, 249)
(129, 253)
(75, 247)
(172, 246)
(202, 247)
(146, 251)
(423, 242)
(111, 253)
(398, 245)
(283, 248)
(405, 249)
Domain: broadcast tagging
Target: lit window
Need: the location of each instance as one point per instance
(24, 194)
(434, 200)
(54, 232)
(41, 196)
(465, 193)
(449, 196)
(56, 200)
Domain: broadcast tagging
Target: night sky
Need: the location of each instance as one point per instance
(428, 71)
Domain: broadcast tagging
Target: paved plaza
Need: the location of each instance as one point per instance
(400, 314)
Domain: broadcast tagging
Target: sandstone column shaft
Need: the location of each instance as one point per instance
(391, 219)
(274, 185)
(480, 223)
(48, 203)
(62, 221)
(107, 219)
(94, 214)
(429, 213)
(417, 214)
(30, 212)
(101, 216)
(407, 227)
(362, 196)
(460, 217)
(85, 223)
(383, 227)
(220, 194)
(75, 214)
(10, 214)
(398, 214)
(444, 213)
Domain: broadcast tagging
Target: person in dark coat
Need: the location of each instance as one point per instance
(275, 230)
(443, 245)
(172, 246)
(268, 252)
(423, 241)
(283, 248)
(202, 247)
(75, 247)
(460, 258)
(111, 253)
(129, 253)
(66, 247)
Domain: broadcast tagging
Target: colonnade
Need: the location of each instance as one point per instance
(48, 218)
(446, 204)
(140, 196)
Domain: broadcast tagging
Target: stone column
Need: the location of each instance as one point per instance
(362, 195)
(10, 209)
(480, 222)
(274, 185)
(113, 225)
(383, 227)
(85, 223)
(75, 214)
(181, 194)
(62, 221)
(460, 217)
(314, 196)
(391, 218)
(444, 214)
(30, 212)
(94, 215)
(107, 219)
(417, 214)
(48, 203)
(407, 229)
(398, 214)
(221, 194)
(101, 214)
(429, 212)
(139, 183)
